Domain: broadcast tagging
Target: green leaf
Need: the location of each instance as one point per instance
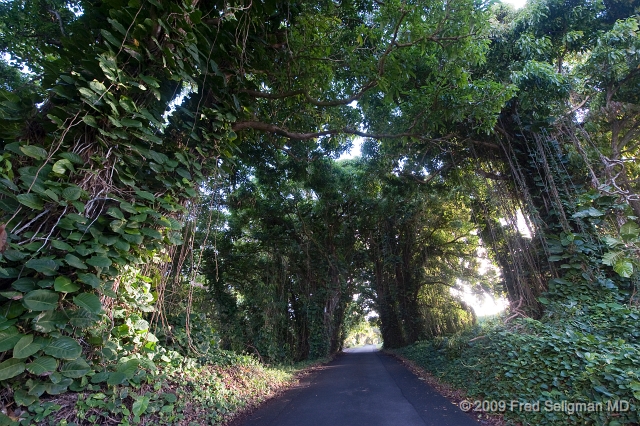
(129, 368)
(42, 365)
(60, 387)
(73, 157)
(31, 201)
(115, 212)
(71, 193)
(82, 318)
(75, 369)
(37, 389)
(61, 166)
(624, 268)
(90, 120)
(23, 398)
(158, 157)
(611, 257)
(184, 173)
(603, 390)
(170, 397)
(64, 348)
(122, 245)
(629, 230)
(9, 338)
(40, 300)
(150, 80)
(142, 217)
(49, 321)
(110, 38)
(52, 117)
(612, 242)
(590, 212)
(108, 240)
(24, 285)
(26, 347)
(116, 378)
(127, 207)
(635, 387)
(99, 261)
(118, 225)
(91, 97)
(146, 195)
(15, 255)
(130, 123)
(61, 245)
(34, 152)
(11, 368)
(12, 295)
(88, 301)
(140, 406)
(65, 285)
(152, 233)
(52, 195)
(90, 279)
(83, 250)
(133, 238)
(45, 266)
(100, 377)
(117, 25)
(97, 87)
(34, 246)
(75, 261)
(175, 238)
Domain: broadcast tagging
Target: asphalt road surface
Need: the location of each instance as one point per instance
(361, 387)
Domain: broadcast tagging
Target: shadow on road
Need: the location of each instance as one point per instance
(362, 386)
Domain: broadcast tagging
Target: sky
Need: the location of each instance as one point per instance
(355, 150)
(484, 305)
(516, 3)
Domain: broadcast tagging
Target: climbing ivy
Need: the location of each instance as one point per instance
(96, 182)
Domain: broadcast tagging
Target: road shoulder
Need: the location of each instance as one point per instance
(455, 396)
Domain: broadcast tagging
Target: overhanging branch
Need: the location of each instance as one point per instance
(271, 128)
(308, 98)
(57, 15)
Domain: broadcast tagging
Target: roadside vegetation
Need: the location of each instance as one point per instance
(176, 221)
(503, 367)
(180, 392)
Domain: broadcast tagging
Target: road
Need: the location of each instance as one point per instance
(360, 387)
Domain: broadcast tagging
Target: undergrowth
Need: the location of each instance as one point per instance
(181, 391)
(560, 358)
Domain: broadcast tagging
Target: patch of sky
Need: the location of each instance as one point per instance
(76, 9)
(518, 4)
(484, 304)
(520, 223)
(187, 89)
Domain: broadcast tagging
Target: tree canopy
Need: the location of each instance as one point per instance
(170, 174)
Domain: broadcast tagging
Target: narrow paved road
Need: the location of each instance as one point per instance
(360, 387)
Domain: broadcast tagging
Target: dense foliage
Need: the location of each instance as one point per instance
(569, 141)
(544, 363)
(170, 185)
(295, 254)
